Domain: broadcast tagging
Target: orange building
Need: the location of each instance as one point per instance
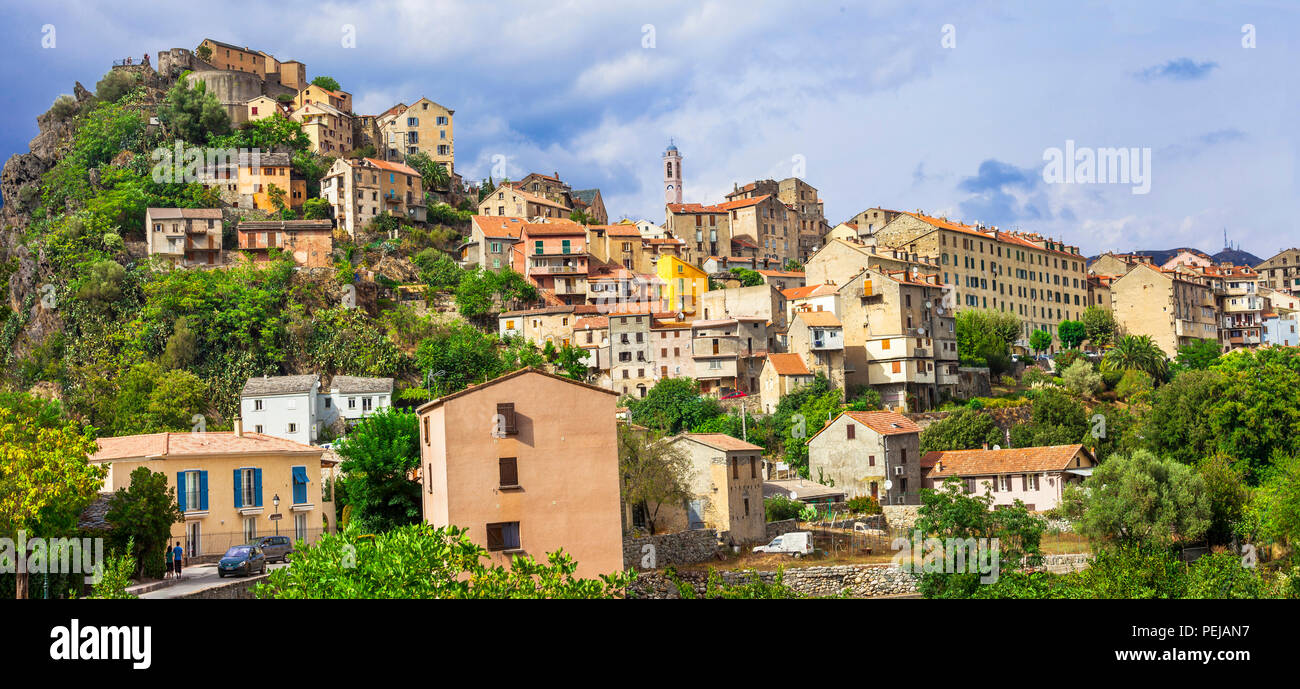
(528, 463)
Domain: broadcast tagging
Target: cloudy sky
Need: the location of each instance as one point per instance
(951, 107)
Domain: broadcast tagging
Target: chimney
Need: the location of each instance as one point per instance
(239, 427)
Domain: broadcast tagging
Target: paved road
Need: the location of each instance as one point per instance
(197, 578)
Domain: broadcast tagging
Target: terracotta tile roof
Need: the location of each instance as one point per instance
(693, 208)
(165, 445)
(392, 167)
(721, 441)
(554, 228)
(789, 365)
(513, 374)
(621, 230)
(743, 203)
(781, 273)
(498, 227)
(591, 323)
(1008, 461)
(807, 291)
(199, 213)
(533, 198)
(742, 241)
(543, 311)
(884, 422)
(819, 319)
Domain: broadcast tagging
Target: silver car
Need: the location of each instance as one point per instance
(276, 548)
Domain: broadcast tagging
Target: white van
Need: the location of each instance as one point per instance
(796, 543)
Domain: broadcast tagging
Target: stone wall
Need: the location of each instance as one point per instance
(857, 581)
(781, 528)
(901, 516)
(973, 382)
(680, 548)
(240, 589)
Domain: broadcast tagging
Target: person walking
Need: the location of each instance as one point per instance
(177, 554)
(167, 557)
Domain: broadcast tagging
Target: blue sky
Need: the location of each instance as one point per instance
(868, 98)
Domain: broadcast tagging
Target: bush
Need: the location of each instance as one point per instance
(1035, 376)
(1133, 383)
(65, 106)
(1081, 379)
(1007, 381)
(779, 508)
(863, 505)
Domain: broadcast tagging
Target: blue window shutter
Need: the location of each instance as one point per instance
(239, 495)
(257, 487)
(203, 490)
(180, 490)
(300, 485)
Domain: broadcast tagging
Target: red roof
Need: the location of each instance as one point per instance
(1008, 461)
(722, 441)
(789, 365)
(165, 445)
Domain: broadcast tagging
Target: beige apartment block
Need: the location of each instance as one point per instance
(490, 241)
(1115, 264)
(1099, 291)
(872, 219)
(727, 485)
(840, 260)
(1040, 280)
(186, 236)
(801, 198)
(765, 302)
(509, 201)
(422, 126)
(313, 94)
(861, 451)
(1281, 271)
(818, 338)
(528, 463)
(360, 189)
(310, 243)
(729, 354)
(226, 484)
(898, 338)
(1170, 307)
(553, 325)
(1239, 304)
(329, 129)
(781, 375)
(549, 187)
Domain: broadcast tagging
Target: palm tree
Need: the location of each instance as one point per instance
(1137, 352)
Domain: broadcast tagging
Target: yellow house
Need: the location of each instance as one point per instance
(227, 484)
(683, 284)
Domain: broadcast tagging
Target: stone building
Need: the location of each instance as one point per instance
(309, 242)
(187, 236)
(876, 453)
(1172, 308)
(727, 485)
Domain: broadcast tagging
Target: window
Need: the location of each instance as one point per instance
(367, 403)
(508, 468)
(852, 430)
(735, 468)
(506, 417)
(426, 432)
(248, 488)
(352, 403)
(300, 482)
(293, 428)
(257, 428)
(300, 526)
(753, 472)
(250, 528)
(503, 536)
(871, 460)
(1004, 483)
(257, 405)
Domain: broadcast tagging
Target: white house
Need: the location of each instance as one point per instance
(281, 406)
(352, 398)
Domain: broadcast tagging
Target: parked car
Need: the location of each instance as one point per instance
(275, 548)
(796, 543)
(242, 559)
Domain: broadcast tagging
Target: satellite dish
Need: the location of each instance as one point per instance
(920, 331)
(938, 310)
(889, 485)
(794, 495)
(997, 447)
(927, 304)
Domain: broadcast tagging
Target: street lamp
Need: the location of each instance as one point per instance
(275, 502)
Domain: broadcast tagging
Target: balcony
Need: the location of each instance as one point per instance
(556, 270)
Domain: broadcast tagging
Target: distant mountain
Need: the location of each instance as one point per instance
(1235, 256)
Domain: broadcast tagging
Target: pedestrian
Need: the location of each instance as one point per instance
(177, 554)
(167, 557)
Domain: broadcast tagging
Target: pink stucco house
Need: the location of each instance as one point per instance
(1034, 475)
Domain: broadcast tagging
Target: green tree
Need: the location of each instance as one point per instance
(1179, 424)
(747, 277)
(984, 338)
(1140, 498)
(316, 209)
(438, 270)
(114, 85)
(327, 83)
(433, 174)
(1056, 419)
(142, 517)
(1099, 326)
(1040, 340)
(1072, 333)
(277, 198)
(1137, 352)
(1228, 496)
(1081, 379)
(1134, 385)
(953, 516)
(102, 285)
(581, 217)
(175, 399)
(46, 478)
(673, 405)
(792, 265)
(1258, 413)
(193, 114)
(655, 473)
(203, 52)
(379, 455)
(421, 561)
(181, 346)
(456, 357)
(964, 429)
(1198, 354)
(115, 574)
(1275, 509)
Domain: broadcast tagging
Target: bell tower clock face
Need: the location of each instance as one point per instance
(668, 192)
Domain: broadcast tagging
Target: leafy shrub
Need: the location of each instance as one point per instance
(1081, 379)
(1035, 376)
(1133, 383)
(779, 508)
(1007, 381)
(864, 504)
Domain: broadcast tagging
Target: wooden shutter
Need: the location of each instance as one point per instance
(180, 490)
(507, 411)
(851, 429)
(495, 539)
(203, 491)
(509, 471)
